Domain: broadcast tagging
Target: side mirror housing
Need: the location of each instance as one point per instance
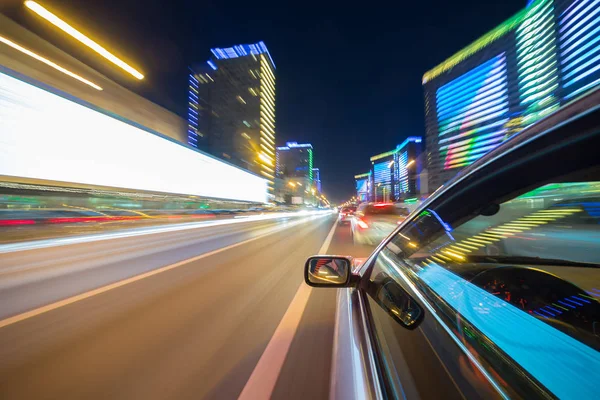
(329, 271)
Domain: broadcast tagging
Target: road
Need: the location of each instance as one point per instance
(206, 312)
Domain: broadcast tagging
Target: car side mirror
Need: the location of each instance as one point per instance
(328, 271)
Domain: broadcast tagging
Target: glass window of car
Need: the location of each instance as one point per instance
(510, 270)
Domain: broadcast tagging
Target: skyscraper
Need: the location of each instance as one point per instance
(295, 161)
(232, 108)
(395, 173)
(317, 179)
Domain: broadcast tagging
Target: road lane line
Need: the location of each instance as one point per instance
(262, 381)
(115, 285)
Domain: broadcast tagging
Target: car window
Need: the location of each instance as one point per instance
(516, 283)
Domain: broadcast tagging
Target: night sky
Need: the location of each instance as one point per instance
(348, 78)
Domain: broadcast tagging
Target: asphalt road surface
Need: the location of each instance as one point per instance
(210, 312)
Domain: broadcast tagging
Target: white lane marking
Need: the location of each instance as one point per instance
(103, 289)
(262, 381)
(38, 244)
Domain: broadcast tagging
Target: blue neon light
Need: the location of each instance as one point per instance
(212, 65)
(242, 50)
(567, 367)
(474, 75)
(414, 139)
(479, 99)
(580, 48)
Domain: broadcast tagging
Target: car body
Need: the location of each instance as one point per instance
(491, 287)
(345, 215)
(372, 222)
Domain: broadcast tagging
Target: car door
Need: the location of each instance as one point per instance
(456, 310)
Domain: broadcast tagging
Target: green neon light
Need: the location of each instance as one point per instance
(360, 176)
(484, 41)
(537, 62)
(310, 165)
(383, 155)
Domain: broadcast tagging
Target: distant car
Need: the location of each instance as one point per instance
(372, 222)
(345, 215)
(490, 289)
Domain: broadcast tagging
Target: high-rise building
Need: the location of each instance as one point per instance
(232, 108)
(395, 174)
(317, 179)
(295, 161)
(523, 70)
(363, 186)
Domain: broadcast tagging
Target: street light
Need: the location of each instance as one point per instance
(292, 184)
(53, 19)
(409, 163)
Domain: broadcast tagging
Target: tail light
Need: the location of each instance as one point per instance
(362, 223)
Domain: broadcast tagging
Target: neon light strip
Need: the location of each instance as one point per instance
(472, 85)
(583, 66)
(576, 35)
(583, 89)
(534, 77)
(576, 45)
(487, 91)
(567, 16)
(540, 87)
(470, 149)
(488, 68)
(476, 130)
(538, 344)
(540, 31)
(585, 74)
(473, 140)
(578, 25)
(485, 117)
(488, 104)
(535, 52)
(458, 156)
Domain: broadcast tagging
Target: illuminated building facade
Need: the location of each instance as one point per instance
(526, 68)
(394, 174)
(231, 113)
(295, 161)
(317, 179)
(363, 186)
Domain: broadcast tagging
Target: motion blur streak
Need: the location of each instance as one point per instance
(126, 157)
(47, 62)
(175, 314)
(42, 12)
(39, 244)
(62, 303)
